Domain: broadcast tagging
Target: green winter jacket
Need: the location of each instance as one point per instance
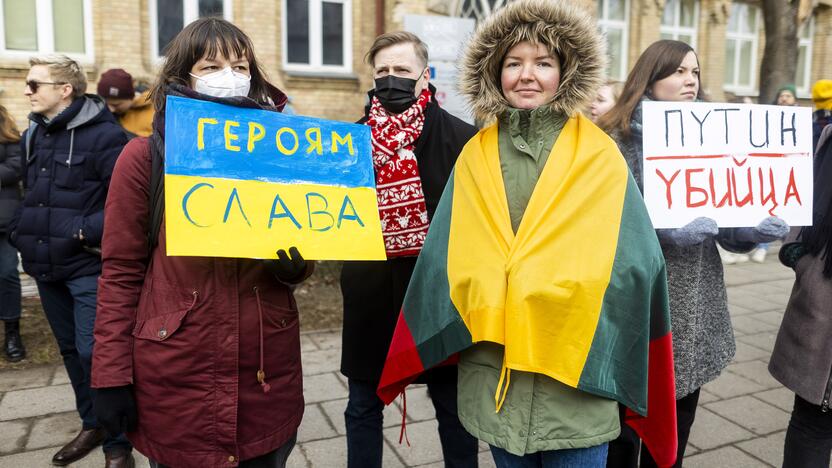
(539, 413)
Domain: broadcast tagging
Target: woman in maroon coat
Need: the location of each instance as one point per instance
(196, 358)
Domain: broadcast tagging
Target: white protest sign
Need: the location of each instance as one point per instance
(735, 163)
(445, 37)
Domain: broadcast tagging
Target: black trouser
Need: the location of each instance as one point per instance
(364, 422)
(624, 450)
(273, 459)
(809, 437)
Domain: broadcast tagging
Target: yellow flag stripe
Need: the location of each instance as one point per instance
(538, 293)
(252, 219)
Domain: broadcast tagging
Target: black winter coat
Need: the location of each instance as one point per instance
(9, 183)
(69, 161)
(373, 292)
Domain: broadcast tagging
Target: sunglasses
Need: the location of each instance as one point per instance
(34, 85)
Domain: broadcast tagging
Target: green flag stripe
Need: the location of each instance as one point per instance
(439, 330)
(620, 333)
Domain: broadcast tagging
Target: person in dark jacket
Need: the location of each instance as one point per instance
(415, 144)
(802, 355)
(13, 348)
(196, 358)
(70, 149)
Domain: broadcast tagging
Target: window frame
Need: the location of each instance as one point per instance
(46, 35)
(804, 90)
(676, 29)
(315, 64)
(604, 24)
(739, 38)
(190, 13)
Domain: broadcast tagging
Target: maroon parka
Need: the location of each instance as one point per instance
(191, 334)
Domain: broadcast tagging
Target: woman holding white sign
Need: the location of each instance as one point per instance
(197, 359)
(703, 339)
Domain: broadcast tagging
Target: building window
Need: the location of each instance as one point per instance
(31, 27)
(680, 20)
(168, 17)
(613, 19)
(803, 77)
(317, 35)
(741, 40)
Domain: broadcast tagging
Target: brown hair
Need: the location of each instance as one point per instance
(206, 37)
(397, 37)
(8, 129)
(657, 62)
(64, 70)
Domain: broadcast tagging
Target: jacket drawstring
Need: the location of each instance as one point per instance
(502, 390)
(71, 144)
(403, 432)
(261, 374)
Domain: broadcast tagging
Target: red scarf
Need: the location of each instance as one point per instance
(401, 201)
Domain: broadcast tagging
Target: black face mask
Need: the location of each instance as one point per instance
(395, 93)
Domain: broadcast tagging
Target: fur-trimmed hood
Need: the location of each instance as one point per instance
(557, 24)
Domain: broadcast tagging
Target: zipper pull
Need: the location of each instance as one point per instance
(825, 406)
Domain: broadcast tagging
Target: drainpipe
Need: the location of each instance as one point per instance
(379, 17)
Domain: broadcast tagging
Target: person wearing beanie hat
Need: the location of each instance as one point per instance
(134, 112)
(822, 98)
(786, 96)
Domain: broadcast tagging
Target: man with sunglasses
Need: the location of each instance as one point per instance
(69, 149)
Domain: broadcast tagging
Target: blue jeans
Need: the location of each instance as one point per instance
(70, 309)
(590, 457)
(9, 281)
(364, 421)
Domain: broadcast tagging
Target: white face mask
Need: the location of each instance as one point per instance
(223, 83)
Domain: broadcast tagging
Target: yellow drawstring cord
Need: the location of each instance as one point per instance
(502, 390)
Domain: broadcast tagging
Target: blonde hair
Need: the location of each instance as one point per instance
(63, 69)
(397, 37)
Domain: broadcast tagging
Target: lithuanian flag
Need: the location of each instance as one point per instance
(579, 293)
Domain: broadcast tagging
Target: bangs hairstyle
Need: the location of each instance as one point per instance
(657, 62)
(206, 37)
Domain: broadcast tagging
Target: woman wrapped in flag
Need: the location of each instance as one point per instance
(541, 272)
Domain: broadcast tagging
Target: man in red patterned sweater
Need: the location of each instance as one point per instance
(415, 146)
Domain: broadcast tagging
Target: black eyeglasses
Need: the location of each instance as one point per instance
(34, 85)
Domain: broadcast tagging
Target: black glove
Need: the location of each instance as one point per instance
(115, 408)
(289, 268)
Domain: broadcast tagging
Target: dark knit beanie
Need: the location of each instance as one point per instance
(116, 83)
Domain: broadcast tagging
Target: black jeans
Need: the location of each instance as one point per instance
(9, 281)
(809, 437)
(273, 459)
(624, 450)
(364, 421)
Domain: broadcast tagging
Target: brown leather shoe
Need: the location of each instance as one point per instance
(79, 447)
(120, 459)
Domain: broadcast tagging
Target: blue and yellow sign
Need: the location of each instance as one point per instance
(246, 182)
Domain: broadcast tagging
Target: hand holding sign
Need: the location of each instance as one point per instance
(769, 230)
(695, 232)
(734, 163)
(290, 267)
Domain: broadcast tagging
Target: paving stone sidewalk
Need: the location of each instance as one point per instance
(741, 419)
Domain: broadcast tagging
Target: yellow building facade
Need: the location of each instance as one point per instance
(314, 49)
